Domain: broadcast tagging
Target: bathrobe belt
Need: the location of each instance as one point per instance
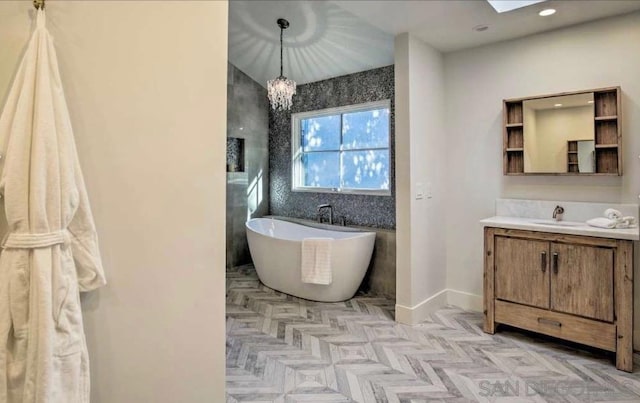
(32, 241)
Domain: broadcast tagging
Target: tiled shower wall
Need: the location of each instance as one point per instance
(248, 190)
(364, 210)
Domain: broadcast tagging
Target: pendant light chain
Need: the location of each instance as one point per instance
(281, 31)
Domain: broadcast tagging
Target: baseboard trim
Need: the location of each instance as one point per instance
(418, 313)
(464, 300)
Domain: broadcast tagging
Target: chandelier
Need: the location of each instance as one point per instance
(280, 90)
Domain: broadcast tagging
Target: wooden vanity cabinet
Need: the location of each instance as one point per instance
(572, 287)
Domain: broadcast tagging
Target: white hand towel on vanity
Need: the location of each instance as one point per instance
(602, 222)
(316, 261)
(612, 214)
(626, 222)
(613, 219)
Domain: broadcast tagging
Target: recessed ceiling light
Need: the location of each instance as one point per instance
(480, 28)
(557, 105)
(547, 12)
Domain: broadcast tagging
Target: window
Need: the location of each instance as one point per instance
(342, 149)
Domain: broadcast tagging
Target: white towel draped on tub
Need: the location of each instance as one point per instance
(316, 261)
(50, 252)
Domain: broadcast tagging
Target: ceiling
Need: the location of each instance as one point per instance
(322, 41)
(337, 37)
(448, 25)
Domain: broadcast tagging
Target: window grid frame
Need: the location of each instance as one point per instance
(297, 151)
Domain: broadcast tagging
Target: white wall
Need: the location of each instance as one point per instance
(146, 88)
(599, 54)
(420, 163)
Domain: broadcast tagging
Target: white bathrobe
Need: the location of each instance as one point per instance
(50, 252)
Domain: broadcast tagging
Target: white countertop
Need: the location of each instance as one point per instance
(563, 227)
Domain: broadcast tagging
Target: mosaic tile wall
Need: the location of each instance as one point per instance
(235, 154)
(247, 191)
(364, 210)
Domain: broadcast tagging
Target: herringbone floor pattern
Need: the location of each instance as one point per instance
(285, 349)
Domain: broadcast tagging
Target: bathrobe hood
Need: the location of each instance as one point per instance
(50, 250)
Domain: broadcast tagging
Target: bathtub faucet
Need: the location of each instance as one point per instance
(322, 207)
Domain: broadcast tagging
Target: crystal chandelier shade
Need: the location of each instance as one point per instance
(281, 90)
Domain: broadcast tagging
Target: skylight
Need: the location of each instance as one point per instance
(502, 6)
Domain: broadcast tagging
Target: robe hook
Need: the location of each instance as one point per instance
(38, 4)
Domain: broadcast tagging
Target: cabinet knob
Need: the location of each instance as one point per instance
(555, 263)
(543, 261)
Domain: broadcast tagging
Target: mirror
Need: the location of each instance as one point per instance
(570, 133)
(559, 134)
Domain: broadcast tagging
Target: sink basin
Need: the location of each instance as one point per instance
(559, 223)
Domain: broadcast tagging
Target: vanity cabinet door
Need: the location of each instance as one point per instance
(522, 271)
(582, 280)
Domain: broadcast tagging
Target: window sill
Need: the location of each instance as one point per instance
(357, 192)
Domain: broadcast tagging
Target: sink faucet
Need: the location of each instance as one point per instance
(557, 213)
(322, 207)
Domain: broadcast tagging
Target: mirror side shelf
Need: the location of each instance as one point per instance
(608, 131)
(513, 137)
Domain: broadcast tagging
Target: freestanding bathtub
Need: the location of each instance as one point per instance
(276, 246)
